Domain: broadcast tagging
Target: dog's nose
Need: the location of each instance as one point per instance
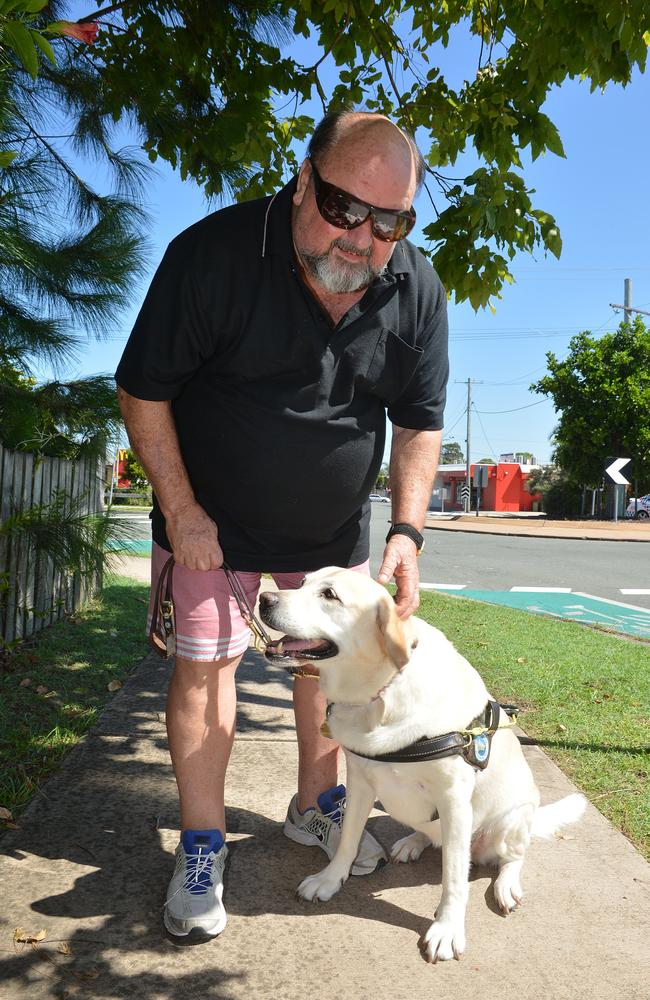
(268, 600)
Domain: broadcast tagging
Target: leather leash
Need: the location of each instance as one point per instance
(162, 631)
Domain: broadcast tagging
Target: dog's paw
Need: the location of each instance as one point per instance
(321, 887)
(507, 891)
(409, 848)
(444, 940)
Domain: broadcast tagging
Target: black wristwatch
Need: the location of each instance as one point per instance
(410, 532)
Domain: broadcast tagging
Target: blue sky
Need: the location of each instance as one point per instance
(599, 196)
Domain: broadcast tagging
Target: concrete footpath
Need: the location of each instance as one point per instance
(94, 852)
(623, 530)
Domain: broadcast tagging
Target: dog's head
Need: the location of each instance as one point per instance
(345, 626)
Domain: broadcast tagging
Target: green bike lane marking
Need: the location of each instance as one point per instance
(583, 608)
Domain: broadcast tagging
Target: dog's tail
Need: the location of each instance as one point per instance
(551, 818)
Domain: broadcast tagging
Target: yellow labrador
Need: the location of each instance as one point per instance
(393, 685)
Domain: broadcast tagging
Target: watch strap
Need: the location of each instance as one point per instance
(410, 531)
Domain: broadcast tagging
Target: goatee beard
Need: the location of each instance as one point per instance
(338, 276)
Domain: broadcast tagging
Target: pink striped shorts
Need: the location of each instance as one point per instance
(209, 625)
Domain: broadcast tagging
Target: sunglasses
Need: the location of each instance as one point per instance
(345, 211)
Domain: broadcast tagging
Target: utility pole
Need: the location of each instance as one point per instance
(627, 303)
(627, 299)
(468, 478)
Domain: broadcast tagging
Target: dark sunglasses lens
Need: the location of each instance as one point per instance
(342, 211)
(390, 227)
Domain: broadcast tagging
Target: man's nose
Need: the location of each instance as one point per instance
(268, 600)
(361, 235)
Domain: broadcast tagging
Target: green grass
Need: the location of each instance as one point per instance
(585, 695)
(74, 661)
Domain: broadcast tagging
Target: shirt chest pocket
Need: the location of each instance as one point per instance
(391, 368)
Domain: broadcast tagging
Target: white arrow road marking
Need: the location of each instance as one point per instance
(579, 609)
(613, 471)
(543, 611)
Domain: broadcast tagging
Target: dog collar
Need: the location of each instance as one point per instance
(473, 743)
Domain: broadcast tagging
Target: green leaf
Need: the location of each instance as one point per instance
(7, 156)
(43, 45)
(20, 40)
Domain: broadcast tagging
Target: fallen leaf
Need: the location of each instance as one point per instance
(26, 681)
(561, 728)
(87, 976)
(521, 659)
(64, 948)
(41, 689)
(5, 813)
(114, 686)
(24, 937)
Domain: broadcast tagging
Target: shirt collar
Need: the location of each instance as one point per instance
(277, 236)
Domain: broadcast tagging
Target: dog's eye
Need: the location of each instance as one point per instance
(329, 594)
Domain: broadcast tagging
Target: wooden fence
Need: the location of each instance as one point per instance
(35, 593)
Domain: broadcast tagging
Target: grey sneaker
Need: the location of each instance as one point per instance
(194, 907)
(322, 828)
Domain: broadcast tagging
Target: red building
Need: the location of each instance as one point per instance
(505, 490)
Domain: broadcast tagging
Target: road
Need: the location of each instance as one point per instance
(498, 562)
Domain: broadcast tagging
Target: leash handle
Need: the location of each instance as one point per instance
(162, 631)
(261, 635)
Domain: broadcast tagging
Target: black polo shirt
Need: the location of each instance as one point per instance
(281, 416)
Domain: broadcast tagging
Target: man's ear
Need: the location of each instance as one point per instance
(392, 632)
(304, 175)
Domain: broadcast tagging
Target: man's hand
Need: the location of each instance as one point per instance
(194, 538)
(400, 561)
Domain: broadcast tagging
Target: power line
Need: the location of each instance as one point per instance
(490, 412)
(490, 446)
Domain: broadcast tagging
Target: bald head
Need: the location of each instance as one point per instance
(350, 135)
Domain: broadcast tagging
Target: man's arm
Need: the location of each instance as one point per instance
(152, 433)
(413, 463)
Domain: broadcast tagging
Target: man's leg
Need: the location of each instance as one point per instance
(318, 757)
(201, 709)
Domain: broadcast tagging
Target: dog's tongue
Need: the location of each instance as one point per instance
(289, 645)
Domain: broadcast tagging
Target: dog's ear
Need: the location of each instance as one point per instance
(393, 633)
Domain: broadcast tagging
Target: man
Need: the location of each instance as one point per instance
(254, 388)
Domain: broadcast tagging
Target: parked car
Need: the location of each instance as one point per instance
(639, 508)
(377, 498)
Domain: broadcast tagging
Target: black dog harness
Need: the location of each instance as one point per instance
(473, 743)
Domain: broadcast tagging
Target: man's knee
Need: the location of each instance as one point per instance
(209, 674)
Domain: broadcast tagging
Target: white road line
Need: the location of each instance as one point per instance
(540, 590)
(443, 586)
(633, 591)
(607, 600)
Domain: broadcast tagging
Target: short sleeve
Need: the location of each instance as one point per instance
(421, 406)
(173, 334)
